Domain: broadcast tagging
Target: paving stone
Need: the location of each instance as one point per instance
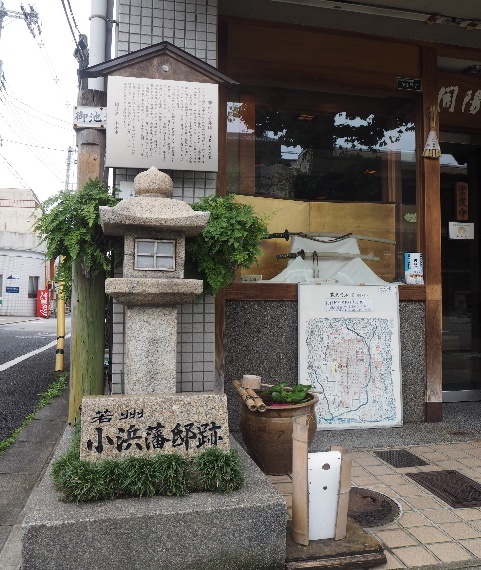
(428, 534)
(415, 556)
(449, 552)
(395, 538)
(459, 530)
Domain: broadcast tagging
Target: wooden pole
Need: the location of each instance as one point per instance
(344, 490)
(300, 492)
(88, 293)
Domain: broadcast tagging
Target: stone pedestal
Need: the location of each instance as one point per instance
(243, 530)
(151, 345)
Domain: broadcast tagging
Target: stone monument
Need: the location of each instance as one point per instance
(150, 417)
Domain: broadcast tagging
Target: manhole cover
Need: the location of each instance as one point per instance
(452, 487)
(400, 458)
(369, 508)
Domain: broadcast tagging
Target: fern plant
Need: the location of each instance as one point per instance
(229, 241)
(70, 226)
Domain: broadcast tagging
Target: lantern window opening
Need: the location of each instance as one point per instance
(154, 255)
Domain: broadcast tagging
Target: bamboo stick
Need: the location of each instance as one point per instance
(344, 490)
(248, 401)
(261, 407)
(300, 489)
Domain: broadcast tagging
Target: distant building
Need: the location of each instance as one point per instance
(23, 267)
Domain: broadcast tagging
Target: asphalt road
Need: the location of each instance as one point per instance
(22, 380)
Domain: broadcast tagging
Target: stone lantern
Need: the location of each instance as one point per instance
(154, 227)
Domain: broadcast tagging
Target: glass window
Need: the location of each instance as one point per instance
(32, 287)
(339, 163)
(155, 255)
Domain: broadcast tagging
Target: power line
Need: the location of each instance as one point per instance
(73, 17)
(34, 145)
(39, 115)
(81, 50)
(19, 117)
(42, 158)
(69, 23)
(14, 172)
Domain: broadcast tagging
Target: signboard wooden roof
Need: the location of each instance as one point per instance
(160, 61)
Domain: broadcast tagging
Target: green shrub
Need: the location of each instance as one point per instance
(163, 474)
(229, 241)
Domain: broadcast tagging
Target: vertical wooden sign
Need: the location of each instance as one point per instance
(462, 203)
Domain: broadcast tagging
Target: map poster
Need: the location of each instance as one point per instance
(349, 351)
(172, 125)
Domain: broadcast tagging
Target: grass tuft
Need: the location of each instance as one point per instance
(219, 471)
(162, 474)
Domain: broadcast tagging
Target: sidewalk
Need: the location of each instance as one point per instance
(427, 534)
(21, 466)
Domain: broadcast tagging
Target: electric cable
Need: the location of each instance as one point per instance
(42, 159)
(73, 16)
(35, 146)
(26, 130)
(69, 23)
(39, 118)
(14, 172)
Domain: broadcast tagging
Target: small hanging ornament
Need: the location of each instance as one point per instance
(432, 148)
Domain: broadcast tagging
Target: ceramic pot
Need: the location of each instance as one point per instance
(268, 435)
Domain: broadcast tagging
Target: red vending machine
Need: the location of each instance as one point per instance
(43, 303)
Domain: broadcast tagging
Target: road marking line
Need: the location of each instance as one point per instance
(28, 355)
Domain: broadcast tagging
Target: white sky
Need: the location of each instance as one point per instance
(36, 109)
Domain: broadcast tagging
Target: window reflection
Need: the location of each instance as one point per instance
(328, 148)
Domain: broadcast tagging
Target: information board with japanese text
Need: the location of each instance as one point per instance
(172, 125)
(349, 351)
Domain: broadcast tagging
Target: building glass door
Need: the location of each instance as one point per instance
(460, 266)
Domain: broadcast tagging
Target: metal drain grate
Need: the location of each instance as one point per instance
(400, 458)
(452, 487)
(369, 508)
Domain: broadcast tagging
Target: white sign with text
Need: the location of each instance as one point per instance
(172, 125)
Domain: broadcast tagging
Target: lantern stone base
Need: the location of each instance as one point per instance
(202, 531)
(151, 349)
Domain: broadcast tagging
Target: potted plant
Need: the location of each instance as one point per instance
(268, 434)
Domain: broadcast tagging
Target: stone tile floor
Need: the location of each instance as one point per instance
(428, 532)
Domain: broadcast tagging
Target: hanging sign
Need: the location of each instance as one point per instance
(89, 117)
(408, 84)
(172, 125)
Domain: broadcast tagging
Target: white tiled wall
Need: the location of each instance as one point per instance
(21, 265)
(190, 25)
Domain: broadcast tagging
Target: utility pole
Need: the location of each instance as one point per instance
(69, 165)
(88, 293)
(31, 19)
